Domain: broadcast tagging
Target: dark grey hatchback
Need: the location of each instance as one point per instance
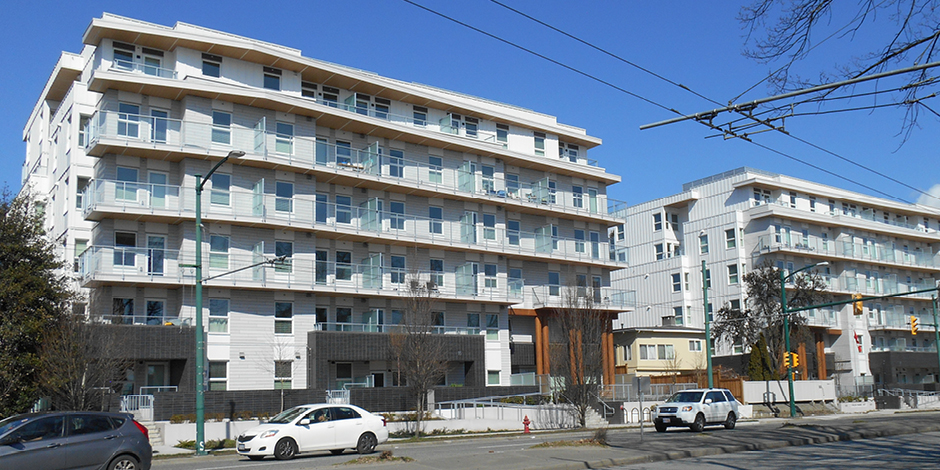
(74, 440)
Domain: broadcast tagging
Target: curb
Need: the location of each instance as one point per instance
(708, 451)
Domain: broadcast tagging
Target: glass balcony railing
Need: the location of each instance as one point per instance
(886, 285)
(393, 328)
(421, 171)
(600, 298)
(146, 69)
(864, 215)
(884, 252)
(127, 264)
(365, 218)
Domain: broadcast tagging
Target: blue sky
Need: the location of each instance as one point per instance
(696, 43)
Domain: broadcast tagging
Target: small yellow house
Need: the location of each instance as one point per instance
(663, 350)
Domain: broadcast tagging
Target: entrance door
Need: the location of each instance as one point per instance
(156, 246)
(378, 379)
(372, 271)
(158, 182)
(258, 199)
(257, 256)
(468, 227)
(158, 125)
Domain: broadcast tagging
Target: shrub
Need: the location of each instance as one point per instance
(243, 415)
(210, 445)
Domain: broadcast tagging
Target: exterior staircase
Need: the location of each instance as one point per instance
(156, 433)
(593, 419)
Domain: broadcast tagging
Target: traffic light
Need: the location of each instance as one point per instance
(914, 321)
(857, 305)
(795, 359)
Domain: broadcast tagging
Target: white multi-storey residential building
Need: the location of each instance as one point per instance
(737, 220)
(362, 182)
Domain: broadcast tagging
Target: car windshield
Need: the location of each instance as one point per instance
(685, 397)
(10, 423)
(285, 417)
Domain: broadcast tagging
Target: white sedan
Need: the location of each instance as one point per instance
(308, 428)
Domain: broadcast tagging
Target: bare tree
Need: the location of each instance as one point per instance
(906, 33)
(419, 352)
(674, 367)
(283, 365)
(80, 362)
(764, 315)
(577, 356)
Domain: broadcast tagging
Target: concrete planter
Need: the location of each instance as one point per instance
(857, 406)
(174, 433)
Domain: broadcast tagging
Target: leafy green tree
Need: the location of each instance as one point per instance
(34, 297)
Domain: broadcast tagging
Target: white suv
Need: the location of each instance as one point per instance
(696, 409)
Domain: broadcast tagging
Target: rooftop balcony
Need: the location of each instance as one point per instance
(855, 219)
(886, 253)
(365, 222)
(601, 298)
(369, 167)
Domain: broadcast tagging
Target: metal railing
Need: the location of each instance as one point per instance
(864, 215)
(146, 69)
(391, 165)
(150, 390)
(394, 328)
(337, 397)
(885, 252)
(601, 298)
(141, 406)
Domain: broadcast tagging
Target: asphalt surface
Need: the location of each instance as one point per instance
(626, 445)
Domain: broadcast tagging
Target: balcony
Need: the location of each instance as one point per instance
(881, 253)
(393, 328)
(100, 265)
(365, 222)
(849, 284)
(782, 208)
(111, 131)
(603, 298)
(136, 67)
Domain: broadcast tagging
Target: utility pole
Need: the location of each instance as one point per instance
(708, 336)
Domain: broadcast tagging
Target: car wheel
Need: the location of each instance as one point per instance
(124, 462)
(256, 457)
(337, 451)
(660, 427)
(366, 444)
(730, 422)
(285, 449)
(699, 424)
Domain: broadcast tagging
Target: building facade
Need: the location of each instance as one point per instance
(363, 184)
(740, 219)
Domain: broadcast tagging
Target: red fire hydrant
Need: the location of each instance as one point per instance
(526, 423)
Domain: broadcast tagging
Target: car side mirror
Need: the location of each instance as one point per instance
(303, 422)
(708, 401)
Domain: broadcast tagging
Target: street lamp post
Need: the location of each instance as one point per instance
(200, 334)
(708, 336)
(786, 327)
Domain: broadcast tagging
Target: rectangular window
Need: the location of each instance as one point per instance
(677, 314)
(473, 320)
(125, 250)
(272, 78)
(703, 244)
(489, 226)
(343, 265)
(343, 153)
(502, 135)
(492, 327)
(218, 252)
(732, 274)
(489, 276)
(396, 217)
(695, 345)
(730, 240)
(221, 185)
(648, 352)
(211, 65)
(436, 266)
(419, 116)
(792, 200)
(471, 126)
(579, 241)
(128, 120)
(343, 209)
(80, 186)
(286, 250)
(343, 315)
(322, 207)
(554, 283)
(657, 222)
(396, 163)
(539, 144)
(710, 312)
(221, 128)
(676, 282)
(283, 318)
(398, 269)
(308, 90)
(708, 278)
(512, 232)
(492, 377)
(80, 246)
(218, 376)
(659, 251)
(330, 96)
(382, 108)
(284, 138)
(122, 310)
(283, 373)
(124, 55)
(665, 352)
(82, 130)
(812, 203)
(436, 216)
(735, 304)
(512, 185)
(577, 194)
(435, 170)
(218, 315)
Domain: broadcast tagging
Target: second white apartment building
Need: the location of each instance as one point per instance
(736, 220)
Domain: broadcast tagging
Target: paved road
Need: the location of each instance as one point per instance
(907, 451)
(626, 446)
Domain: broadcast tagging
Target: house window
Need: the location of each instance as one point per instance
(512, 232)
(679, 317)
(284, 138)
(343, 153)
(80, 247)
(221, 128)
(211, 65)
(708, 278)
(761, 196)
(396, 218)
(396, 163)
(343, 315)
(398, 270)
(489, 276)
(512, 185)
(122, 310)
(126, 187)
(80, 186)
(473, 320)
(343, 265)
(283, 318)
(703, 244)
(284, 249)
(695, 345)
(676, 282)
(436, 266)
(502, 134)
(732, 274)
(657, 222)
(659, 251)
(489, 226)
(436, 216)
(218, 315)
(666, 352)
(730, 240)
(554, 283)
(492, 377)
(577, 194)
(792, 200)
(812, 203)
(579, 241)
(128, 120)
(648, 352)
(153, 59)
(308, 90)
(283, 373)
(382, 107)
(343, 209)
(221, 185)
(435, 170)
(82, 130)
(569, 151)
(124, 55)
(735, 304)
(330, 96)
(471, 126)
(492, 326)
(218, 376)
(218, 252)
(539, 144)
(125, 248)
(419, 116)
(156, 309)
(272, 78)
(710, 311)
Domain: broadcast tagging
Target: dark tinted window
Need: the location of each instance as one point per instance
(88, 424)
(715, 396)
(729, 396)
(40, 429)
(344, 413)
(117, 422)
